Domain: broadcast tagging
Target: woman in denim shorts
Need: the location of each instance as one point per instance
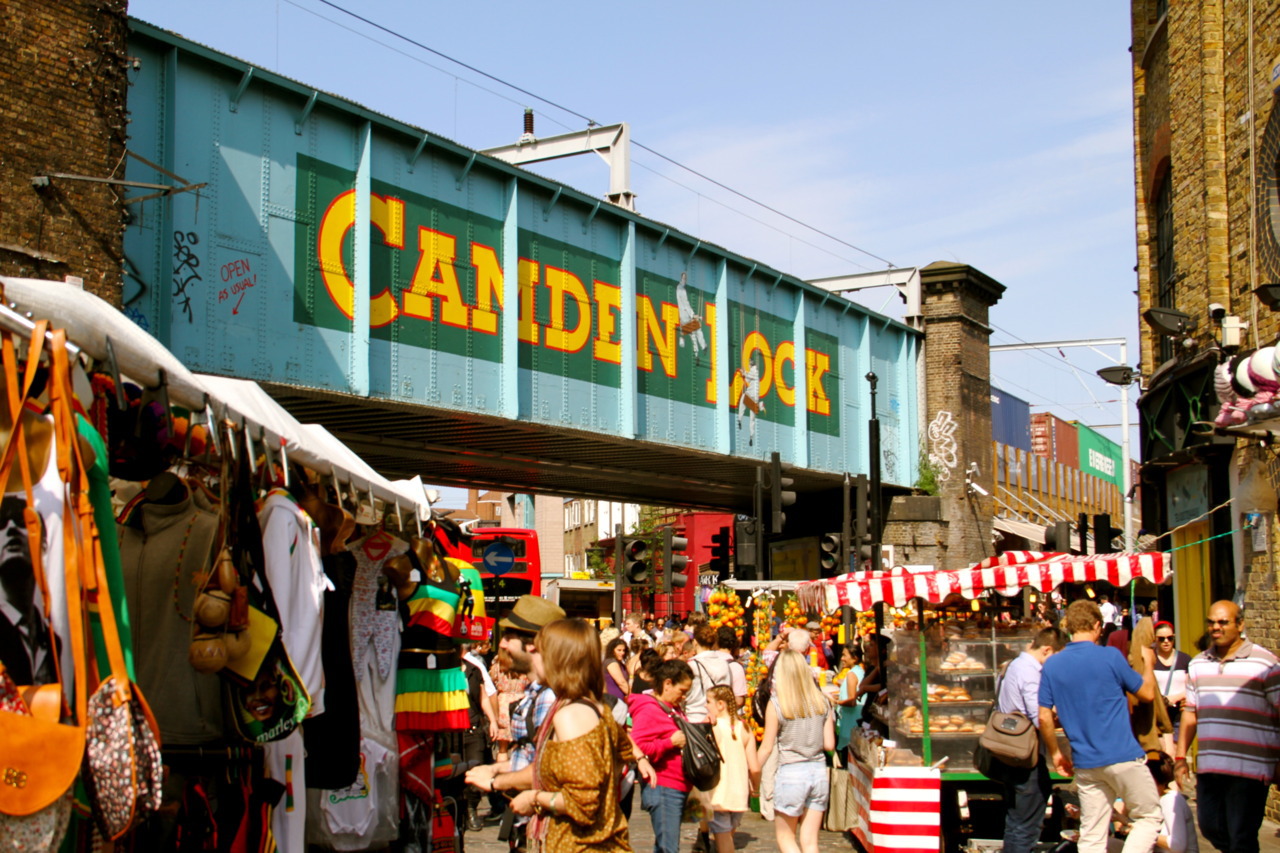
(798, 723)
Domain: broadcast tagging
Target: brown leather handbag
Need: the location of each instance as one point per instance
(40, 754)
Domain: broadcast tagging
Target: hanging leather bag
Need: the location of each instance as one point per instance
(40, 753)
(122, 767)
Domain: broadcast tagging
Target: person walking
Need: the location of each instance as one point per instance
(1086, 685)
(517, 651)
(1150, 720)
(1026, 789)
(800, 725)
(1171, 679)
(1233, 693)
(579, 750)
(740, 771)
(659, 738)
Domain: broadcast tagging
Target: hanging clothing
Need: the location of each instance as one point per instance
(375, 621)
(333, 738)
(431, 690)
(165, 550)
(285, 763)
(291, 551)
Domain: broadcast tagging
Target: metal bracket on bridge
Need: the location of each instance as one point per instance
(306, 112)
(234, 103)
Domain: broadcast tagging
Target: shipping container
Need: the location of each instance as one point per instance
(1055, 438)
(1010, 420)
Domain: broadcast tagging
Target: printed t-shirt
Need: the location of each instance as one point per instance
(1086, 683)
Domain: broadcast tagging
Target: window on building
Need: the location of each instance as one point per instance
(591, 512)
(1162, 215)
(1162, 7)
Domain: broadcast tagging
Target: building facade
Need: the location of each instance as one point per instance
(1207, 146)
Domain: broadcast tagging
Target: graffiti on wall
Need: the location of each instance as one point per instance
(942, 444)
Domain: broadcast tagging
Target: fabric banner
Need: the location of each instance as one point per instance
(897, 809)
(1005, 573)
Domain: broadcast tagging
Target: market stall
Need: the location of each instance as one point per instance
(945, 664)
(184, 540)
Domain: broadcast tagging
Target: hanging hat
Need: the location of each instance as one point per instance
(531, 614)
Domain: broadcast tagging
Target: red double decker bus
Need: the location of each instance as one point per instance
(508, 561)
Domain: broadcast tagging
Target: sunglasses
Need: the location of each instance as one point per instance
(1219, 622)
(1166, 639)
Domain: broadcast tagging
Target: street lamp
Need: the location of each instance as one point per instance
(1123, 375)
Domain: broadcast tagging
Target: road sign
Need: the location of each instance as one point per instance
(498, 558)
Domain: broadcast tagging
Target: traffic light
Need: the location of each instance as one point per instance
(781, 495)
(673, 561)
(1057, 537)
(720, 553)
(746, 549)
(863, 523)
(1104, 534)
(635, 561)
(829, 556)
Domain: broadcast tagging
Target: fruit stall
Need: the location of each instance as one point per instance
(941, 681)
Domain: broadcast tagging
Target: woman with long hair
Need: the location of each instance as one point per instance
(799, 724)
(1150, 720)
(656, 733)
(638, 646)
(616, 681)
(580, 749)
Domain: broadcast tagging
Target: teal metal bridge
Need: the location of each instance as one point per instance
(447, 314)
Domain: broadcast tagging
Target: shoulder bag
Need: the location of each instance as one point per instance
(1010, 738)
(699, 757)
(40, 755)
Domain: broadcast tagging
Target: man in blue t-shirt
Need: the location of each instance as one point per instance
(1087, 685)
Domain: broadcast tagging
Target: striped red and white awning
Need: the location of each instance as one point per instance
(1005, 573)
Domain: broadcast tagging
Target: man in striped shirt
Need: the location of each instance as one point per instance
(1233, 704)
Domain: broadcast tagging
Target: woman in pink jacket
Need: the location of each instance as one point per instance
(654, 731)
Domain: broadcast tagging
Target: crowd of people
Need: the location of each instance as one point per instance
(579, 719)
(1131, 706)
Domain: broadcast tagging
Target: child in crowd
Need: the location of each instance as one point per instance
(1178, 833)
(739, 772)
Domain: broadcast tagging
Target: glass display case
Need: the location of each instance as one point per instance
(940, 711)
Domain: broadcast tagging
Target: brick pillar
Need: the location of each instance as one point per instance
(62, 101)
(956, 302)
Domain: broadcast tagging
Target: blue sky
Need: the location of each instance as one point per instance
(998, 134)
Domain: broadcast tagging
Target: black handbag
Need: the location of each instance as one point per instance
(699, 757)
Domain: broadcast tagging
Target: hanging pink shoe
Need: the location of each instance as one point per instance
(1230, 413)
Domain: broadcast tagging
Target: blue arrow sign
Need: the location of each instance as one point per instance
(498, 558)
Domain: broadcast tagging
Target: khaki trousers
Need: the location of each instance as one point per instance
(1100, 787)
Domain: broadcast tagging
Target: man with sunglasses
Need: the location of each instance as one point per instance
(1171, 677)
(1233, 704)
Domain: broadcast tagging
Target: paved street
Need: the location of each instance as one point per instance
(756, 833)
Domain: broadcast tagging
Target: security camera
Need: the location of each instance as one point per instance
(1217, 312)
(978, 489)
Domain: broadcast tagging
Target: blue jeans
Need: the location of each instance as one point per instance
(665, 807)
(1026, 790)
(1230, 809)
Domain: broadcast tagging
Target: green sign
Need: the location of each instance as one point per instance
(1100, 456)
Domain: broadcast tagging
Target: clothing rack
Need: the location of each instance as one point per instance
(243, 754)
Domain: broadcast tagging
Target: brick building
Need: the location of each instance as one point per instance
(1207, 136)
(62, 101)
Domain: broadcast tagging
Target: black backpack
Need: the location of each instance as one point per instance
(764, 692)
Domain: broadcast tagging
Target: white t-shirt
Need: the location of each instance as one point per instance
(709, 669)
(489, 689)
(291, 550)
(1179, 826)
(1110, 613)
(286, 763)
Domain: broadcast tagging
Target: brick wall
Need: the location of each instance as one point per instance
(62, 106)
(1204, 107)
(956, 303)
